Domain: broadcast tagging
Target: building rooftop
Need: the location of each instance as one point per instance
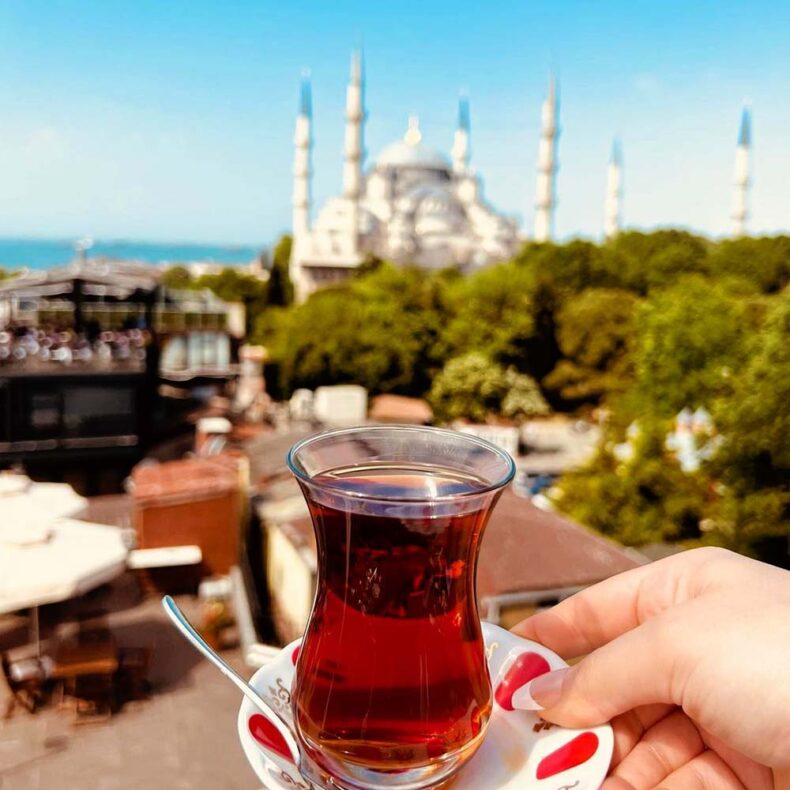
(185, 480)
(400, 409)
(102, 278)
(526, 548)
(268, 452)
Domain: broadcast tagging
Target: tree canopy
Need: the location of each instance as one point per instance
(763, 261)
(687, 345)
(281, 292)
(753, 463)
(378, 330)
(640, 497)
(472, 387)
(596, 334)
(645, 325)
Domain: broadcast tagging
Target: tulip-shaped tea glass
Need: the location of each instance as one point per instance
(392, 687)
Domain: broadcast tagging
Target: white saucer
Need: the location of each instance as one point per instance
(520, 751)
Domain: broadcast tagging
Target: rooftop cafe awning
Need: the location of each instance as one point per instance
(120, 280)
(67, 558)
(115, 279)
(46, 556)
(23, 501)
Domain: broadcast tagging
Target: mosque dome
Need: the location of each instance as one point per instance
(411, 153)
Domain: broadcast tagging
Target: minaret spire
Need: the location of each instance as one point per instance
(740, 210)
(354, 145)
(461, 152)
(303, 143)
(545, 193)
(614, 192)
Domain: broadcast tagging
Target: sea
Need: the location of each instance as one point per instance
(45, 253)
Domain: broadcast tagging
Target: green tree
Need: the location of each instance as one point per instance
(178, 278)
(636, 492)
(492, 311)
(378, 330)
(281, 292)
(233, 285)
(370, 264)
(763, 261)
(640, 261)
(523, 398)
(689, 344)
(573, 266)
(753, 463)
(469, 387)
(473, 387)
(595, 330)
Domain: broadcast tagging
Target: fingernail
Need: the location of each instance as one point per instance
(522, 699)
(542, 692)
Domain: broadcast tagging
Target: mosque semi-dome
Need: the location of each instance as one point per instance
(437, 210)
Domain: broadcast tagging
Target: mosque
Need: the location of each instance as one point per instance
(416, 205)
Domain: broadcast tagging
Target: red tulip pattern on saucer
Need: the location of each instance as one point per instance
(520, 751)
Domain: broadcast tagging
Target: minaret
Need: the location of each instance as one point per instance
(740, 210)
(461, 150)
(545, 195)
(614, 192)
(354, 147)
(303, 143)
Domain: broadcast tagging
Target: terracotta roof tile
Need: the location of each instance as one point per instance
(526, 549)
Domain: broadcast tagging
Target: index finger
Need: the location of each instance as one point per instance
(595, 616)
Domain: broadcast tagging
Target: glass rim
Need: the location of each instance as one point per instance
(505, 456)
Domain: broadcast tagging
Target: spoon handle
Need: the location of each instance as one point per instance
(191, 635)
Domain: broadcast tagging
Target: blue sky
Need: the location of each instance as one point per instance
(174, 120)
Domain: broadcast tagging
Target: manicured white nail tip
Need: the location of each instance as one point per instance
(522, 699)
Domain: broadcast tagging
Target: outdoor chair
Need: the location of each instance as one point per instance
(131, 679)
(86, 666)
(26, 679)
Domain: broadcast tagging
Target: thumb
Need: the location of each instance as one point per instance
(640, 667)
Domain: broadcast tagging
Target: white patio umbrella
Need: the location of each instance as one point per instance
(54, 500)
(53, 560)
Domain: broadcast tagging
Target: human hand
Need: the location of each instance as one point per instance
(690, 658)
